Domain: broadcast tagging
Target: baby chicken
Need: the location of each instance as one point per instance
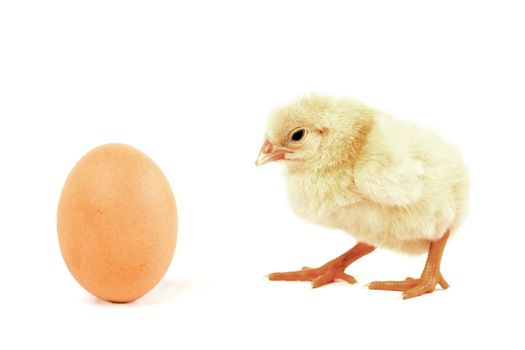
(388, 183)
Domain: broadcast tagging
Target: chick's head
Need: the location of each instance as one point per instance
(312, 133)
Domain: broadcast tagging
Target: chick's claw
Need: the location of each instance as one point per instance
(421, 288)
(318, 276)
(302, 275)
(399, 286)
(412, 287)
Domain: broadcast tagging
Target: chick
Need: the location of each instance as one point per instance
(388, 183)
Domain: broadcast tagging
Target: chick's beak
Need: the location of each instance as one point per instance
(270, 153)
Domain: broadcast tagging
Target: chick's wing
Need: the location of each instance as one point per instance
(398, 183)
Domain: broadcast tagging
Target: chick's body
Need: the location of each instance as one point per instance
(387, 182)
(405, 187)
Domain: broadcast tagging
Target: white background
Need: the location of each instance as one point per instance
(191, 85)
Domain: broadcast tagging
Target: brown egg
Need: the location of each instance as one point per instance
(117, 223)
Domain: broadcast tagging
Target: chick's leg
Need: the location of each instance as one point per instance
(329, 272)
(430, 277)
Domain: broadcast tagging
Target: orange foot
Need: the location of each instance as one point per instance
(429, 279)
(320, 276)
(329, 272)
(411, 287)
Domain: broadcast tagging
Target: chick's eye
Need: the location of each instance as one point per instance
(298, 135)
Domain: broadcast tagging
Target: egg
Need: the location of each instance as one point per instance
(117, 223)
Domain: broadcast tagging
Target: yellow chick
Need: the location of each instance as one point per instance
(388, 183)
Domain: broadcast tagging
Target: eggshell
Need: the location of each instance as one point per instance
(117, 223)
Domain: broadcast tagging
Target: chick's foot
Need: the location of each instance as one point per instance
(412, 287)
(318, 276)
(429, 279)
(329, 272)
